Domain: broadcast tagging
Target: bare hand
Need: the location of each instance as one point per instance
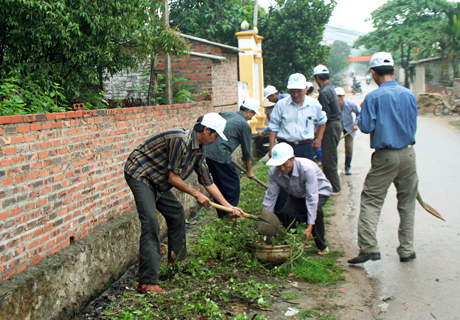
(250, 174)
(308, 231)
(316, 144)
(237, 213)
(202, 200)
(355, 127)
(262, 134)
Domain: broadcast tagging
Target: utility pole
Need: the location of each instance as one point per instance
(256, 11)
(168, 72)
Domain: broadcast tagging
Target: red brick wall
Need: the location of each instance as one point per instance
(61, 175)
(219, 78)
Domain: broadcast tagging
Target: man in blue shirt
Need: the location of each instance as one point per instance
(349, 125)
(219, 154)
(389, 114)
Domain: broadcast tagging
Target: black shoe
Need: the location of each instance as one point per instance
(409, 258)
(347, 171)
(363, 257)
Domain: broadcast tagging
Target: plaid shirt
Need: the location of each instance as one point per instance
(175, 150)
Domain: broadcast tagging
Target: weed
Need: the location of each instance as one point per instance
(304, 314)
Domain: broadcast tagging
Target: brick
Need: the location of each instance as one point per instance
(16, 119)
(9, 150)
(7, 181)
(23, 128)
(35, 260)
(5, 120)
(50, 116)
(47, 125)
(22, 267)
(35, 127)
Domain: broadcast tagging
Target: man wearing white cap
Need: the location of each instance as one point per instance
(308, 190)
(330, 103)
(389, 115)
(162, 162)
(273, 96)
(293, 121)
(219, 154)
(349, 125)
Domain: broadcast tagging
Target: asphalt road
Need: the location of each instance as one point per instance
(429, 286)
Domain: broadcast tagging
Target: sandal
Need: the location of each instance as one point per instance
(147, 287)
(323, 252)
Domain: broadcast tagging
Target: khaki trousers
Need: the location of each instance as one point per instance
(389, 166)
(349, 146)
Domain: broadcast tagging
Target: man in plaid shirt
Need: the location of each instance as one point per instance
(162, 162)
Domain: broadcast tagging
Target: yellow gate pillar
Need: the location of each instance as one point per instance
(252, 71)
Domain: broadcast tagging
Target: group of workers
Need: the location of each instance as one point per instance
(297, 187)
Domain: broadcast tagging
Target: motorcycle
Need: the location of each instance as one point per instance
(356, 88)
(368, 81)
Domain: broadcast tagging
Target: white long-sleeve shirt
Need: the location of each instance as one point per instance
(306, 181)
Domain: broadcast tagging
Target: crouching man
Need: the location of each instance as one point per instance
(162, 162)
(308, 191)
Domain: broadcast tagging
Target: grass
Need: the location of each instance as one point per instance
(220, 279)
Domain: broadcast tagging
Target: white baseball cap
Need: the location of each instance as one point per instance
(252, 104)
(320, 69)
(309, 85)
(297, 81)
(281, 153)
(340, 91)
(216, 122)
(268, 91)
(381, 59)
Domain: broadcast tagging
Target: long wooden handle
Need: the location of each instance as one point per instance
(218, 206)
(346, 134)
(255, 178)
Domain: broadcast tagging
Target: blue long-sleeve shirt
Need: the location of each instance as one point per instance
(347, 117)
(389, 114)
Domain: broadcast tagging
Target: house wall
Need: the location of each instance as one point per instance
(218, 78)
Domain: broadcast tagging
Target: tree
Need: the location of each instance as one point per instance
(214, 20)
(293, 31)
(401, 26)
(75, 44)
(338, 57)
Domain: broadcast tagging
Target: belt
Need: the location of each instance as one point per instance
(408, 146)
(296, 142)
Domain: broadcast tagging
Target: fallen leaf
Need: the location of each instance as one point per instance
(342, 289)
(265, 309)
(291, 275)
(210, 280)
(239, 308)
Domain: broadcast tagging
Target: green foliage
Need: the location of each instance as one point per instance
(293, 31)
(15, 99)
(338, 58)
(76, 44)
(214, 20)
(401, 26)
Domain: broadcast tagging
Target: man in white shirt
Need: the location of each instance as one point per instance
(308, 190)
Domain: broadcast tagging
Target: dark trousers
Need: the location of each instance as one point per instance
(147, 203)
(227, 180)
(329, 145)
(296, 209)
(300, 150)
